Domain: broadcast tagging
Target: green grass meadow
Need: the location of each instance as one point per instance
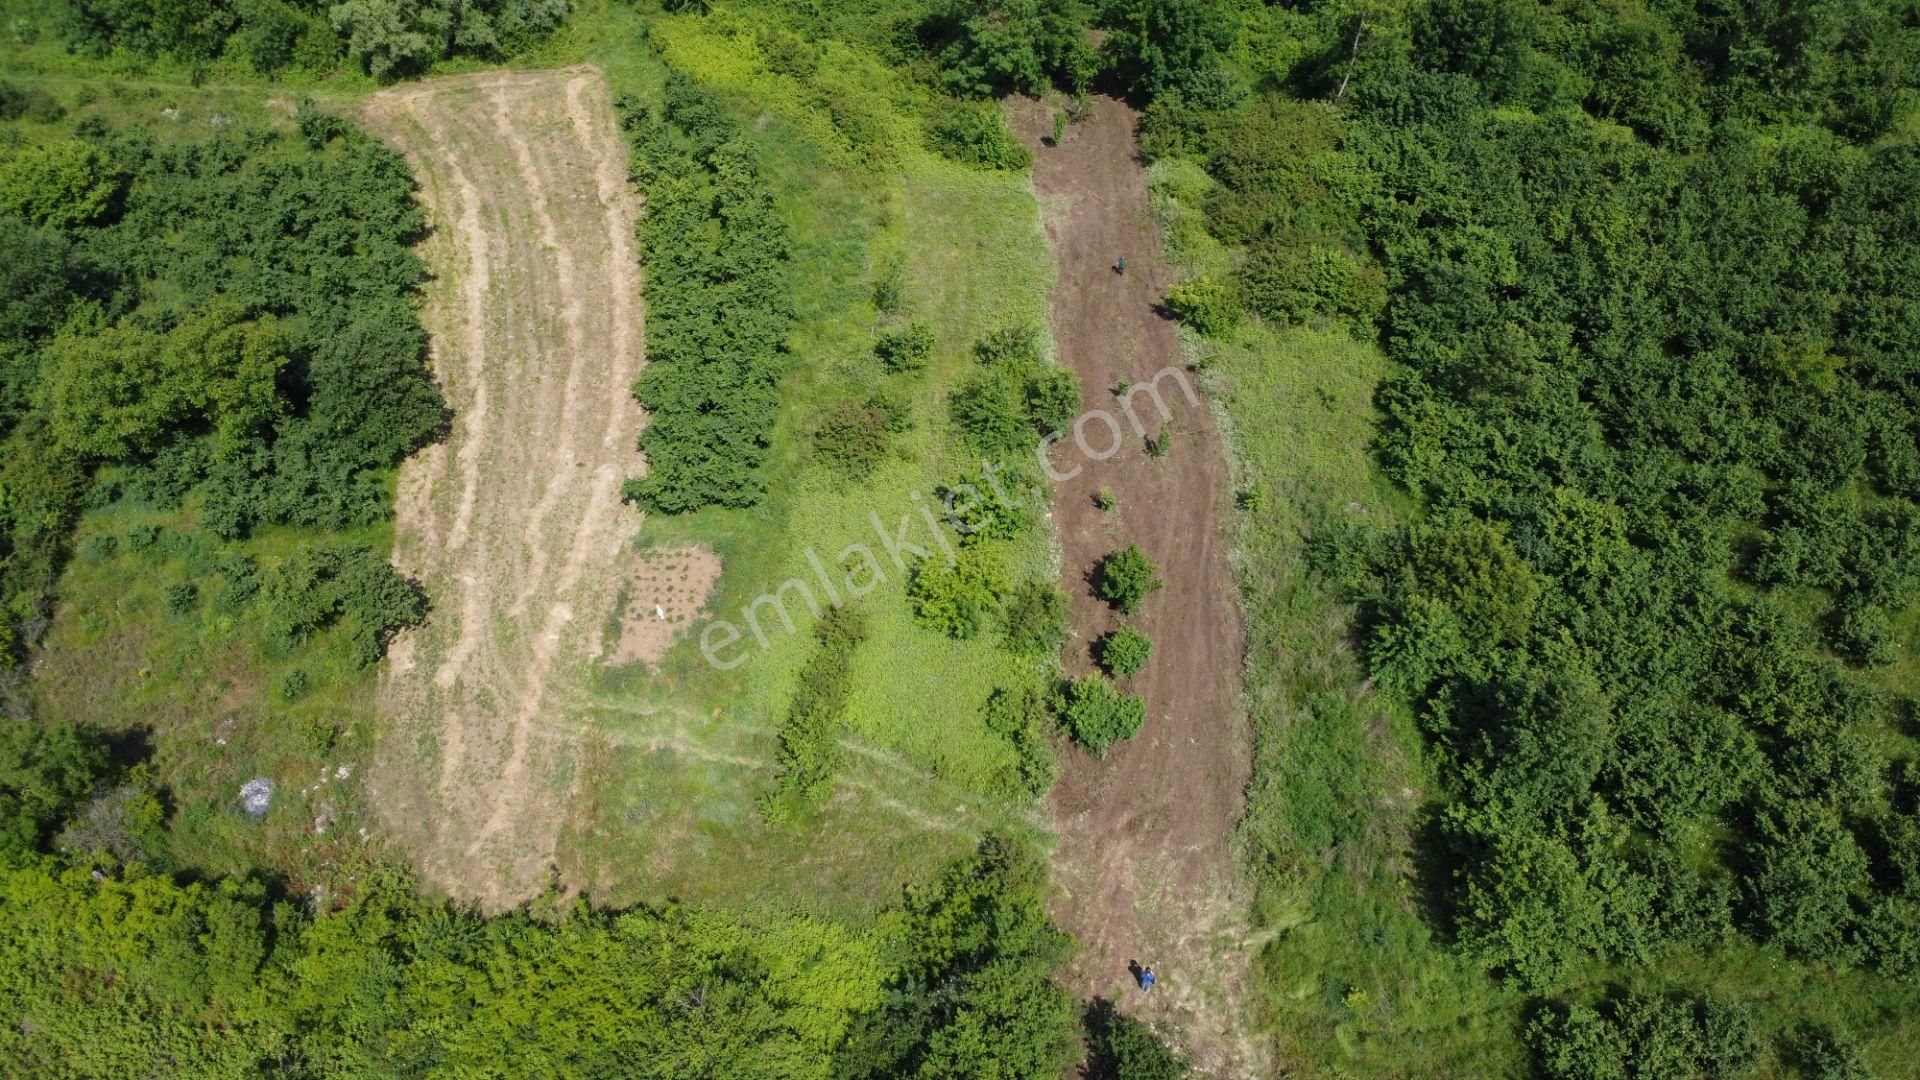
(686, 753)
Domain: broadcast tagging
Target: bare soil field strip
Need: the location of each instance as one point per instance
(514, 523)
(1144, 864)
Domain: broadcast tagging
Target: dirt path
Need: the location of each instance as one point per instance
(515, 522)
(1144, 861)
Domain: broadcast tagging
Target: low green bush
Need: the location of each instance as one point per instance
(809, 755)
(1205, 305)
(1023, 717)
(905, 349)
(855, 436)
(976, 135)
(1036, 618)
(1124, 652)
(959, 598)
(981, 510)
(1127, 1049)
(1126, 577)
(1097, 715)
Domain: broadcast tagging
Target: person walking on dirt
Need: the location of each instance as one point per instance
(1121, 266)
(1146, 980)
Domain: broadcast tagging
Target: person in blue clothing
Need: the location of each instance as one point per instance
(1146, 980)
(1121, 266)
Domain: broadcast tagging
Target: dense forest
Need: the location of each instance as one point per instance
(1648, 277)
(225, 319)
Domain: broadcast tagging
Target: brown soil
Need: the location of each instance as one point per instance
(669, 589)
(1144, 864)
(514, 523)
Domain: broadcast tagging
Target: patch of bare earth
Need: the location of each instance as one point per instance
(1144, 866)
(669, 589)
(514, 523)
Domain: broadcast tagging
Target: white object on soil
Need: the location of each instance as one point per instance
(256, 795)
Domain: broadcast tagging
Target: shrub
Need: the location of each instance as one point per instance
(1290, 281)
(957, 599)
(854, 436)
(905, 349)
(809, 755)
(1205, 305)
(35, 104)
(47, 768)
(990, 409)
(1104, 499)
(99, 547)
(979, 512)
(980, 934)
(1022, 717)
(1126, 577)
(179, 598)
(319, 586)
(1643, 1035)
(1097, 715)
(1124, 652)
(1053, 400)
(994, 47)
(1016, 395)
(977, 135)
(890, 287)
(718, 304)
(1015, 345)
(1826, 1054)
(1036, 618)
(294, 686)
(66, 184)
(1864, 632)
(1127, 1049)
(1167, 45)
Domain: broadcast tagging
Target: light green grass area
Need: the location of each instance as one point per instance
(1356, 983)
(685, 755)
(199, 686)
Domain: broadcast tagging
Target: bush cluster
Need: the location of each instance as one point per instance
(229, 316)
(1014, 396)
(1097, 715)
(388, 39)
(809, 755)
(960, 597)
(718, 308)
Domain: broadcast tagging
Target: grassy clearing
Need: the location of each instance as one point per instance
(201, 687)
(686, 753)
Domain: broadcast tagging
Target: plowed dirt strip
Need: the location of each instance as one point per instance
(1144, 866)
(514, 522)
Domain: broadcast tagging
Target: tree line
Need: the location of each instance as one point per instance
(388, 39)
(717, 304)
(1648, 274)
